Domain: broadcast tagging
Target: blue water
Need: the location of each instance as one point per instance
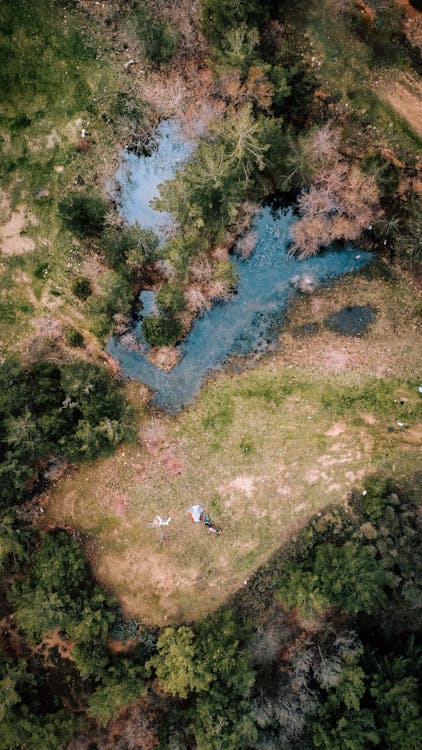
(138, 178)
(245, 323)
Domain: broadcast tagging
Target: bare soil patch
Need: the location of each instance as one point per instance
(403, 91)
(12, 227)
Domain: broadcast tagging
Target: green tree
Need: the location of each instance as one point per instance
(121, 685)
(346, 576)
(83, 213)
(220, 16)
(170, 299)
(81, 287)
(174, 662)
(49, 597)
(159, 330)
(399, 713)
(133, 246)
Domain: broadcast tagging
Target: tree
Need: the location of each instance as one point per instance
(81, 287)
(346, 576)
(83, 213)
(350, 577)
(160, 330)
(218, 17)
(175, 661)
(399, 707)
(132, 246)
(121, 686)
(49, 597)
(340, 203)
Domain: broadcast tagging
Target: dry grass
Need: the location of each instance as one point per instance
(391, 346)
(262, 451)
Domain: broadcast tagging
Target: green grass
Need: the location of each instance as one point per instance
(58, 74)
(262, 451)
(347, 63)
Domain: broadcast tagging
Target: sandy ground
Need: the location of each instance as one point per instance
(13, 225)
(403, 92)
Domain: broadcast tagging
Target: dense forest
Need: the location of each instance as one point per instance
(321, 647)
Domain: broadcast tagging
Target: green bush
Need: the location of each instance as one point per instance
(74, 337)
(170, 298)
(83, 213)
(158, 38)
(159, 330)
(132, 246)
(219, 16)
(386, 174)
(81, 287)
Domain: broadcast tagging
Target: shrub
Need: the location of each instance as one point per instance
(159, 39)
(170, 298)
(159, 330)
(219, 16)
(132, 246)
(385, 173)
(81, 287)
(83, 213)
(74, 337)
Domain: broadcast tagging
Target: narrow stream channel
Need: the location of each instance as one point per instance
(249, 322)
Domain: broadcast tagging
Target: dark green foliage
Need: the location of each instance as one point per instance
(386, 174)
(170, 299)
(130, 246)
(59, 595)
(121, 684)
(14, 543)
(114, 299)
(22, 724)
(74, 338)
(159, 330)
(158, 38)
(81, 287)
(210, 664)
(75, 411)
(409, 243)
(83, 213)
(218, 16)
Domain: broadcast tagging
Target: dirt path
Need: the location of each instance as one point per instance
(403, 92)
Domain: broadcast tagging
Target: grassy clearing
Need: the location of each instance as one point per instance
(262, 451)
(61, 73)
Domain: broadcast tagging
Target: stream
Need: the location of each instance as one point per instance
(249, 322)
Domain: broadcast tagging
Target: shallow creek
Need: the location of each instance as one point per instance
(249, 322)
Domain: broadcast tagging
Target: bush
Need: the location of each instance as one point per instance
(159, 39)
(74, 338)
(219, 16)
(83, 213)
(132, 246)
(160, 330)
(170, 298)
(385, 173)
(81, 287)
